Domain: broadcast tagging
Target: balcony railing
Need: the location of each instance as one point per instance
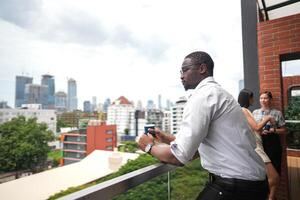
(121, 184)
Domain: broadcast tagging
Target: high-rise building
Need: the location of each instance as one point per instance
(36, 94)
(72, 95)
(94, 103)
(169, 104)
(21, 81)
(150, 105)
(118, 113)
(155, 116)
(61, 101)
(48, 80)
(166, 121)
(87, 107)
(106, 104)
(137, 122)
(176, 115)
(159, 102)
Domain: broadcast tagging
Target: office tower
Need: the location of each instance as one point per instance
(150, 105)
(48, 80)
(72, 95)
(137, 122)
(61, 101)
(94, 103)
(21, 81)
(176, 115)
(169, 104)
(36, 94)
(106, 104)
(159, 102)
(87, 107)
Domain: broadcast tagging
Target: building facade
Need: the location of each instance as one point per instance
(36, 94)
(137, 123)
(118, 113)
(77, 144)
(166, 121)
(176, 115)
(72, 95)
(21, 82)
(43, 116)
(87, 107)
(61, 101)
(48, 80)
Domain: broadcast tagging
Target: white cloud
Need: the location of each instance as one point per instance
(113, 48)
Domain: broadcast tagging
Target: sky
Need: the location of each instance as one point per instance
(116, 48)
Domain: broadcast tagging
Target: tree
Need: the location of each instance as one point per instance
(292, 112)
(61, 124)
(23, 144)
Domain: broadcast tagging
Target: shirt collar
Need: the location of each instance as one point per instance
(202, 83)
(205, 81)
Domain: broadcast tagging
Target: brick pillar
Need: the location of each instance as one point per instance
(275, 38)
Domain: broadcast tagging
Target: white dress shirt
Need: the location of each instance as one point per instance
(214, 123)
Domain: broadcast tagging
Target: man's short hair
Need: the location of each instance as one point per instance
(199, 57)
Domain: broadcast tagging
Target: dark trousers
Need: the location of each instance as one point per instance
(272, 147)
(233, 189)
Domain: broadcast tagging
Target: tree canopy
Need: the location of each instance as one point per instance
(23, 144)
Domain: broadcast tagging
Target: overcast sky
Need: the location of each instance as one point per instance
(111, 48)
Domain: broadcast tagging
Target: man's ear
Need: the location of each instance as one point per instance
(203, 68)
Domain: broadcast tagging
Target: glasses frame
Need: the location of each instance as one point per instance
(186, 68)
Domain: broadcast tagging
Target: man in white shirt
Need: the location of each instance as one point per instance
(213, 124)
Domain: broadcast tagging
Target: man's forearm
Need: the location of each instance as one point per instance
(163, 153)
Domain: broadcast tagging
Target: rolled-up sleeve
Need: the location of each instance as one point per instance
(194, 128)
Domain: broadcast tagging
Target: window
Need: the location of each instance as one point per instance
(109, 147)
(108, 139)
(108, 131)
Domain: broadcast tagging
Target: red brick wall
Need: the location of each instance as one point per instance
(286, 83)
(96, 137)
(277, 37)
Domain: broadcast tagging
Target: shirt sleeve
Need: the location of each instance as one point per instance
(194, 127)
(281, 121)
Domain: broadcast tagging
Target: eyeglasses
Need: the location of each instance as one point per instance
(186, 68)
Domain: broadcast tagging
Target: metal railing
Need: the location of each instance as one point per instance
(121, 184)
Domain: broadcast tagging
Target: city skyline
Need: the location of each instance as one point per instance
(137, 53)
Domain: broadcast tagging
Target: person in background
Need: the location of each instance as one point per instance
(246, 99)
(270, 135)
(214, 125)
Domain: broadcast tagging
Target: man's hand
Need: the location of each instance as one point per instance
(144, 140)
(160, 136)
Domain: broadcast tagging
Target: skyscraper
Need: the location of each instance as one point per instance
(87, 106)
(48, 80)
(21, 81)
(72, 95)
(36, 94)
(159, 102)
(94, 103)
(61, 101)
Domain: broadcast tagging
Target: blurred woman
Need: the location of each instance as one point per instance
(270, 134)
(246, 99)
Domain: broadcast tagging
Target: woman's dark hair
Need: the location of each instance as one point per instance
(268, 93)
(244, 98)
